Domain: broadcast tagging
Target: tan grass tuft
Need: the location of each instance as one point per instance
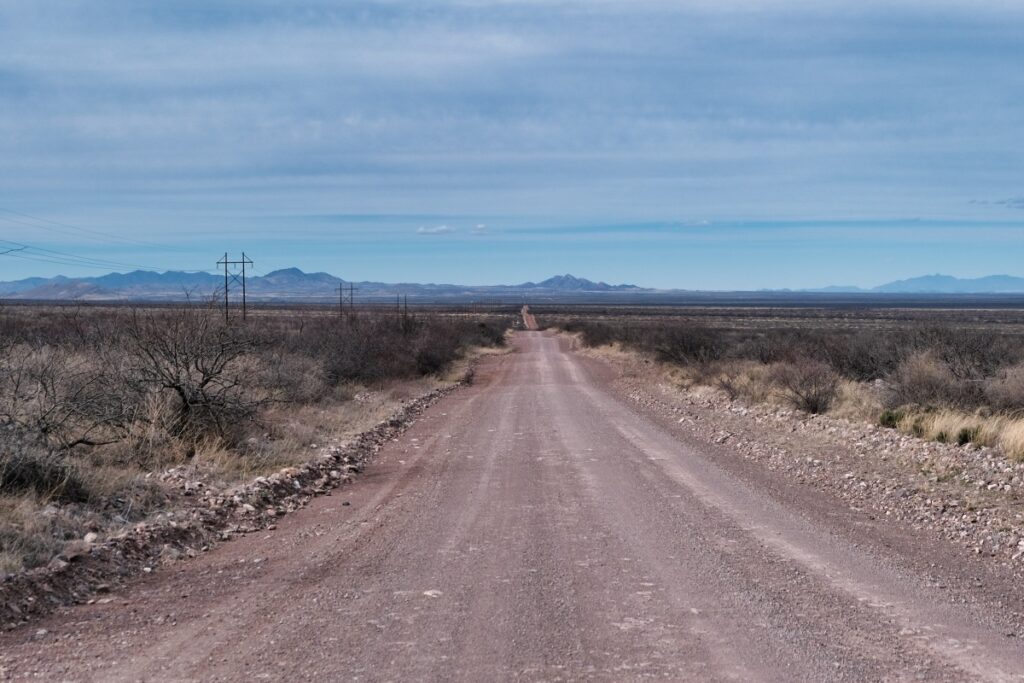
(1011, 439)
(856, 401)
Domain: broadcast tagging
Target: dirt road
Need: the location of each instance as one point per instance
(529, 321)
(535, 527)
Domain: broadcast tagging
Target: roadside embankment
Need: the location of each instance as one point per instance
(967, 494)
(88, 569)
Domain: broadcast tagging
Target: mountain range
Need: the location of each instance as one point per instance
(940, 284)
(288, 284)
(292, 284)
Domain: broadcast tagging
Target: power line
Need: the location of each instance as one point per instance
(43, 259)
(107, 263)
(87, 231)
(40, 258)
(67, 259)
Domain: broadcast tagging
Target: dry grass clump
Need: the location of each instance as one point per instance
(981, 428)
(746, 379)
(1011, 438)
(856, 401)
(737, 379)
(946, 426)
(31, 533)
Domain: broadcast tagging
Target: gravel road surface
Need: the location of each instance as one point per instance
(529, 321)
(536, 526)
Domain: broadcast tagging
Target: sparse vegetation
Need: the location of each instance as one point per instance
(806, 385)
(952, 376)
(94, 400)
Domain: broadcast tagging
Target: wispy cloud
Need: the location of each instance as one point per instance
(1010, 203)
(435, 230)
(478, 229)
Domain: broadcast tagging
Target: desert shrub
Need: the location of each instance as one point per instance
(688, 345)
(28, 468)
(68, 399)
(592, 333)
(1005, 391)
(191, 354)
(368, 351)
(373, 348)
(484, 333)
(810, 386)
(864, 355)
(291, 377)
(434, 348)
(968, 354)
(766, 347)
(728, 383)
(925, 379)
(891, 418)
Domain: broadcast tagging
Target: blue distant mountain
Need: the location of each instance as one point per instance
(947, 284)
(296, 285)
(571, 283)
(937, 284)
(284, 284)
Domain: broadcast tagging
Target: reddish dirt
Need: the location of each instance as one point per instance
(535, 526)
(529, 322)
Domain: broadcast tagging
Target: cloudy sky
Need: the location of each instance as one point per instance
(691, 143)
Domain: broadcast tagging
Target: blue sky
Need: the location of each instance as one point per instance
(720, 144)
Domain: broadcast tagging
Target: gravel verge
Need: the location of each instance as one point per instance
(969, 495)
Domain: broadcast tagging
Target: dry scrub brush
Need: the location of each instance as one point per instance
(806, 385)
(939, 382)
(90, 401)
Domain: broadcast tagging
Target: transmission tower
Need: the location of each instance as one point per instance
(235, 277)
(350, 297)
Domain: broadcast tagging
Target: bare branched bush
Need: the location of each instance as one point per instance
(68, 399)
(197, 358)
(807, 385)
